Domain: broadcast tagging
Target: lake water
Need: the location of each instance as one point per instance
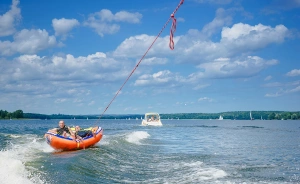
(181, 151)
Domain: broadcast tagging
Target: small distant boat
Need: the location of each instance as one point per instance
(152, 119)
(251, 116)
(220, 118)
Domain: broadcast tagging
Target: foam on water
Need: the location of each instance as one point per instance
(136, 136)
(103, 141)
(12, 170)
(199, 172)
(22, 149)
(190, 172)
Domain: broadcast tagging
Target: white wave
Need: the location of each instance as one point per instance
(204, 173)
(208, 174)
(14, 136)
(137, 136)
(104, 141)
(191, 172)
(13, 160)
(12, 170)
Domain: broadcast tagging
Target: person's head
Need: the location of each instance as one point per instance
(77, 128)
(61, 124)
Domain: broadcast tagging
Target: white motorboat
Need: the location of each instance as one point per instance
(152, 119)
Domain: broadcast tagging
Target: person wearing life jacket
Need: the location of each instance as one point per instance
(82, 133)
(63, 130)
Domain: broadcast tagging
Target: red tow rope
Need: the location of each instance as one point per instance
(173, 27)
(171, 45)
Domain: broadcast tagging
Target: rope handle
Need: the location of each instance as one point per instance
(173, 27)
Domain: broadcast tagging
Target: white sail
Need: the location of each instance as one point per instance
(220, 118)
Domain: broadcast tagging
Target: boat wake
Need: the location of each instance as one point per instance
(190, 172)
(136, 137)
(17, 156)
(121, 153)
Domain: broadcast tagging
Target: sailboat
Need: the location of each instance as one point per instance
(251, 116)
(220, 118)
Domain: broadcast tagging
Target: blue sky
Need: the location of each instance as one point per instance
(71, 57)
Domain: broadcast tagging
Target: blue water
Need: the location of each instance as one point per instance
(181, 151)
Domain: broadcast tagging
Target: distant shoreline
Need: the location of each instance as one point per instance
(232, 115)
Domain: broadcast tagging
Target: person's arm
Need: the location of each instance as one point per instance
(54, 130)
(71, 132)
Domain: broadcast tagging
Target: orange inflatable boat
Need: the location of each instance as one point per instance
(59, 142)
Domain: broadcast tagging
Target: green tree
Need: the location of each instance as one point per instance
(8, 115)
(271, 116)
(3, 114)
(18, 114)
(294, 116)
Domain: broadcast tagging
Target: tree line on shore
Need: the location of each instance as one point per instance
(11, 115)
(234, 115)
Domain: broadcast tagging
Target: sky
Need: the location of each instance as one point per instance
(71, 57)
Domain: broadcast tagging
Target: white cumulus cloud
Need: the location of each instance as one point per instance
(205, 99)
(201, 86)
(9, 19)
(154, 61)
(165, 77)
(228, 68)
(194, 47)
(284, 88)
(282, 92)
(60, 100)
(28, 42)
(222, 18)
(136, 46)
(240, 38)
(293, 73)
(63, 26)
(253, 37)
(105, 22)
(59, 74)
(268, 78)
(214, 1)
(91, 103)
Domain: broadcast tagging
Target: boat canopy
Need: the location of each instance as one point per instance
(150, 114)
